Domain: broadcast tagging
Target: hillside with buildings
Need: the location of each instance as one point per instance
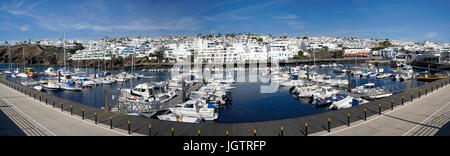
(235, 48)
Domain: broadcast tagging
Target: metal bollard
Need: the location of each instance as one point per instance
(173, 132)
(129, 127)
(329, 125)
(348, 119)
(46, 100)
(306, 129)
(95, 116)
(379, 109)
(254, 132)
(365, 114)
(53, 103)
(412, 98)
(403, 100)
(40, 98)
(110, 122)
(198, 132)
(62, 106)
(426, 91)
(149, 129)
(282, 131)
(392, 104)
(419, 94)
(71, 110)
(82, 113)
(227, 133)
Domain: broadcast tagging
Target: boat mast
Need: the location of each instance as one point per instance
(132, 67)
(10, 57)
(64, 48)
(23, 53)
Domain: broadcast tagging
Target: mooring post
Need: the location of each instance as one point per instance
(82, 113)
(379, 109)
(149, 129)
(365, 114)
(129, 127)
(403, 100)
(392, 104)
(329, 125)
(348, 119)
(306, 129)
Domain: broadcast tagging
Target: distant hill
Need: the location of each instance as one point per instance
(34, 55)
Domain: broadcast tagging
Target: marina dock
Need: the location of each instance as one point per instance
(423, 116)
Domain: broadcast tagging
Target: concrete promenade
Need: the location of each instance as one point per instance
(24, 116)
(422, 117)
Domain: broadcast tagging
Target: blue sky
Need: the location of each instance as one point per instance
(414, 20)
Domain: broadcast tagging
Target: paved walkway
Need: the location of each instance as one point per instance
(423, 117)
(21, 115)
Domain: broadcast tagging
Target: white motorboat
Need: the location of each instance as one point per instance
(105, 81)
(383, 76)
(50, 72)
(152, 91)
(88, 83)
(39, 88)
(347, 102)
(71, 86)
(29, 83)
(22, 75)
(191, 109)
(52, 85)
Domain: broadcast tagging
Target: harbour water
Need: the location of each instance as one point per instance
(248, 104)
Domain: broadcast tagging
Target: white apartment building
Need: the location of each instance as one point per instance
(279, 50)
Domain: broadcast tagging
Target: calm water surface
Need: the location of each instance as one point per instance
(248, 104)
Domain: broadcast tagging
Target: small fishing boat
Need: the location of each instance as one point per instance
(31, 72)
(71, 86)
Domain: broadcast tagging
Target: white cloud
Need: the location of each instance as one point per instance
(25, 28)
(185, 23)
(240, 17)
(286, 17)
(296, 24)
(431, 35)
